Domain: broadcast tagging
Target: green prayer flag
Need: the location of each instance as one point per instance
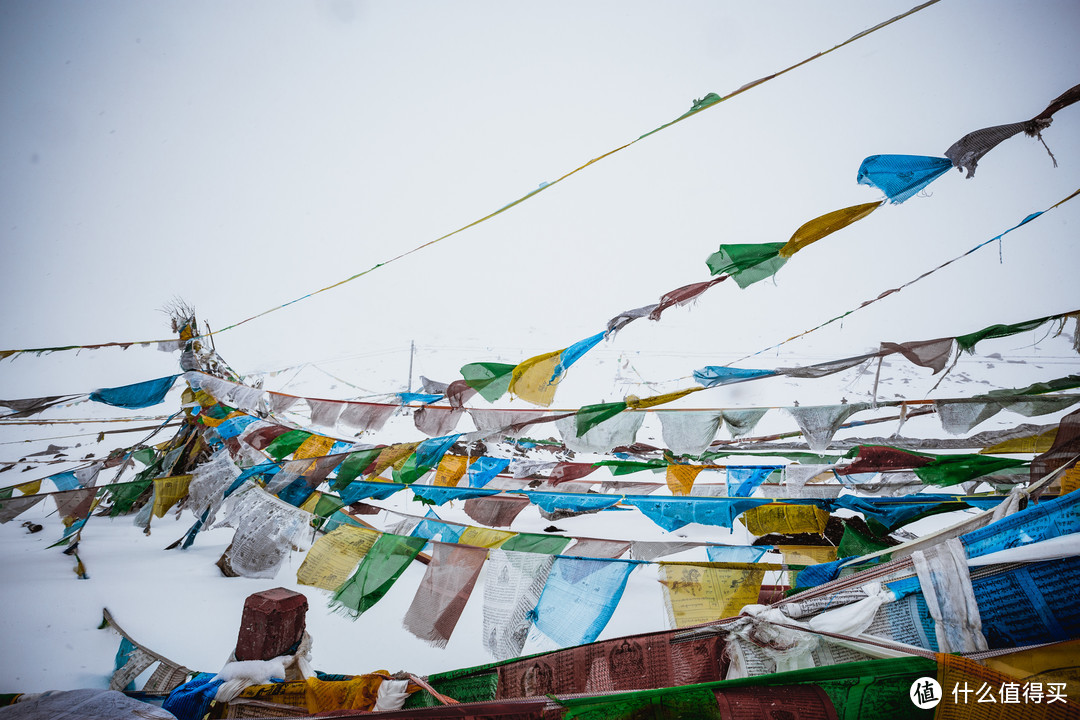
(688, 702)
(948, 470)
(856, 544)
(327, 506)
(352, 466)
(968, 342)
(286, 443)
(410, 472)
(1066, 383)
(124, 496)
(458, 684)
(699, 105)
(589, 416)
(529, 542)
(747, 263)
(216, 412)
(145, 455)
(626, 467)
(858, 691)
(378, 571)
(491, 380)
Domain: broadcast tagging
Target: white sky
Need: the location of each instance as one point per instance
(240, 156)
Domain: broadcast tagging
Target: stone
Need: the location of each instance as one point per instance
(273, 624)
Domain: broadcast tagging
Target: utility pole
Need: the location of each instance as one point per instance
(412, 351)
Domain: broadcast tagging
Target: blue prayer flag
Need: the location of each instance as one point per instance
(736, 553)
(136, 396)
(714, 375)
(433, 528)
(675, 512)
(65, 481)
(571, 502)
(484, 469)
(441, 495)
(573, 353)
(1035, 523)
(819, 574)
(901, 176)
(579, 597)
(742, 481)
(363, 489)
(408, 397)
(296, 492)
(430, 451)
(234, 426)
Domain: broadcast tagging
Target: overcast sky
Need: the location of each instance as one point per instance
(241, 155)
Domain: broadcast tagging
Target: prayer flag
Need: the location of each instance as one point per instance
(491, 380)
(747, 263)
(579, 597)
(680, 478)
(826, 225)
(695, 594)
(535, 380)
(378, 571)
(447, 584)
(334, 556)
(901, 176)
(136, 396)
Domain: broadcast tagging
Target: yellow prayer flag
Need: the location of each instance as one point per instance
(333, 558)
(210, 421)
(357, 693)
(315, 446)
(956, 671)
(168, 491)
(786, 519)
(292, 692)
(1070, 480)
(484, 537)
(30, 488)
(1031, 444)
(531, 380)
(825, 225)
(204, 398)
(680, 478)
(393, 456)
(451, 469)
(694, 594)
(214, 422)
(1054, 663)
(313, 500)
(635, 403)
(807, 554)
